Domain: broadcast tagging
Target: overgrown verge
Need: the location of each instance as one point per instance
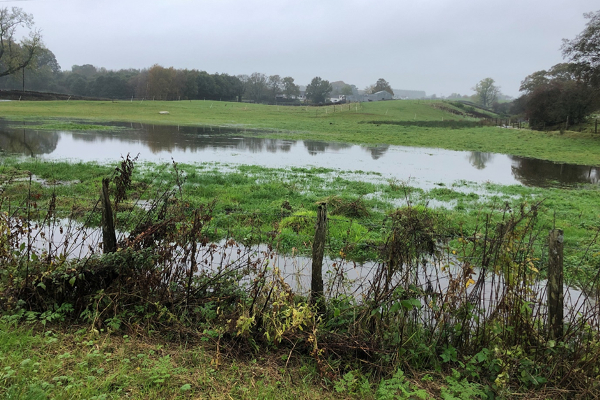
(474, 312)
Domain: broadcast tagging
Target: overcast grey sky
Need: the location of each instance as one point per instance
(439, 46)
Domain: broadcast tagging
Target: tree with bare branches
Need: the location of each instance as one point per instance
(15, 56)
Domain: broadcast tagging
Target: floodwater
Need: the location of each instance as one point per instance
(71, 240)
(425, 167)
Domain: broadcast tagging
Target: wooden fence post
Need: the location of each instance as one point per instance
(318, 250)
(555, 296)
(109, 237)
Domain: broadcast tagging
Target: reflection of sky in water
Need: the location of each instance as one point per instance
(423, 166)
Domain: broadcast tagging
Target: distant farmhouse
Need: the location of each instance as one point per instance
(343, 92)
(364, 97)
(302, 95)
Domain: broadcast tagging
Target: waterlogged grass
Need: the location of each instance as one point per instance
(72, 126)
(409, 123)
(268, 205)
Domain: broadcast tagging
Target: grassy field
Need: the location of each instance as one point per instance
(346, 123)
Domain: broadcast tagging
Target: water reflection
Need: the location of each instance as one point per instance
(479, 159)
(160, 138)
(315, 147)
(378, 151)
(158, 143)
(534, 172)
(23, 141)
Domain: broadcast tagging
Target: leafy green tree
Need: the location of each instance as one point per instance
(556, 97)
(584, 51)
(318, 90)
(256, 87)
(187, 83)
(85, 70)
(486, 92)
(290, 89)
(560, 72)
(78, 85)
(534, 80)
(559, 102)
(206, 86)
(161, 83)
(43, 73)
(111, 86)
(275, 86)
(382, 85)
(15, 56)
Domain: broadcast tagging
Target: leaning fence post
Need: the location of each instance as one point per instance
(555, 283)
(318, 250)
(109, 238)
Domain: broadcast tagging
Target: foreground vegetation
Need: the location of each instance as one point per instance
(350, 123)
(44, 363)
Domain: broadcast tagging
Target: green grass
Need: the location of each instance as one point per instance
(344, 124)
(72, 126)
(69, 364)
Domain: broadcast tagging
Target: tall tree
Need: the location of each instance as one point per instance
(275, 86)
(382, 85)
(161, 83)
(559, 102)
(318, 90)
(43, 73)
(560, 72)
(290, 89)
(256, 87)
(584, 50)
(17, 56)
(486, 92)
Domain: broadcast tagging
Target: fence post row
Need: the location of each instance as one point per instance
(318, 250)
(109, 237)
(555, 295)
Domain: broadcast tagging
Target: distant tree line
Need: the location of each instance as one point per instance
(157, 83)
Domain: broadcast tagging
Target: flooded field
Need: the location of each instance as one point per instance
(159, 143)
